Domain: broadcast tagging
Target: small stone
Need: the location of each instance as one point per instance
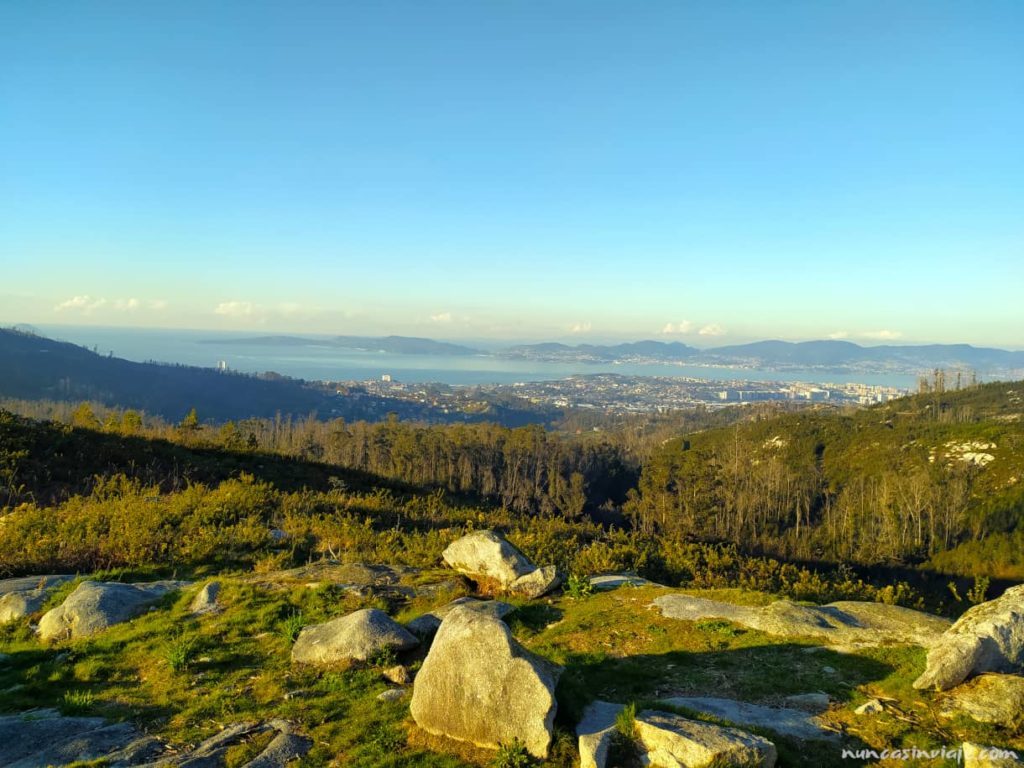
(829, 670)
(870, 707)
(392, 694)
(398, 674)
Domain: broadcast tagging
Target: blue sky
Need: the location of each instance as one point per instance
(701, 171)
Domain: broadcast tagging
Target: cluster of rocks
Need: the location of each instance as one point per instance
(478, 685)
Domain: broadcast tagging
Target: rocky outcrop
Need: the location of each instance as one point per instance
(990, 698)
(672, 741)
(426, 625)
(486, 555)
(355, 637)
(24, 596)
(96, 605)
(479, 685)
(987, 638)
(847, 622)
(794, 723)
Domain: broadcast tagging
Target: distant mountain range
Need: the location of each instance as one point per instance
(830, 354)
(780, 355)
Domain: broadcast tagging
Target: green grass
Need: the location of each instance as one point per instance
(179, 676)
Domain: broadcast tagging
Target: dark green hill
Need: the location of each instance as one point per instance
(33, 367)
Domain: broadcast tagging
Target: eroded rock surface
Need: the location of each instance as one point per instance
(987, 638)
(479, 685)
(357, 636)
(847, 622)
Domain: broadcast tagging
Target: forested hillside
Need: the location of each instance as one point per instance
(917, 479)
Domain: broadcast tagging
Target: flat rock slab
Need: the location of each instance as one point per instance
(672, 741)
(595, 732)
(44, 737)
(96, 605)
(428, 624)
(795, 723)
(479, 685)
(987, 638)
(30, 583)
(848, 622)
(609, 581)
(357, 636)
(990, 698)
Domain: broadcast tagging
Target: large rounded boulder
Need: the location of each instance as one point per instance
(96, 605)
(486, 554)
(479, 685)
(357, 636)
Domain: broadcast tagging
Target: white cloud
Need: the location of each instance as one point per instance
(712, 329)
(158, 304)
(883, 335)
(683, 326)
(127, 305)
(581, 327)
(235, 309)
(839, 335)
(441, 317)
(84, 304)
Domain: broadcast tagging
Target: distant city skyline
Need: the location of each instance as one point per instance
(705, 172)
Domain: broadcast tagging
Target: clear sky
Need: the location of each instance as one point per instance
(701, 171)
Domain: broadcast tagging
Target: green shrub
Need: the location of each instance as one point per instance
(513, 755)
(578, 587)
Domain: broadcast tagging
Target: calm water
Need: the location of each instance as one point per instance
(174, 346)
